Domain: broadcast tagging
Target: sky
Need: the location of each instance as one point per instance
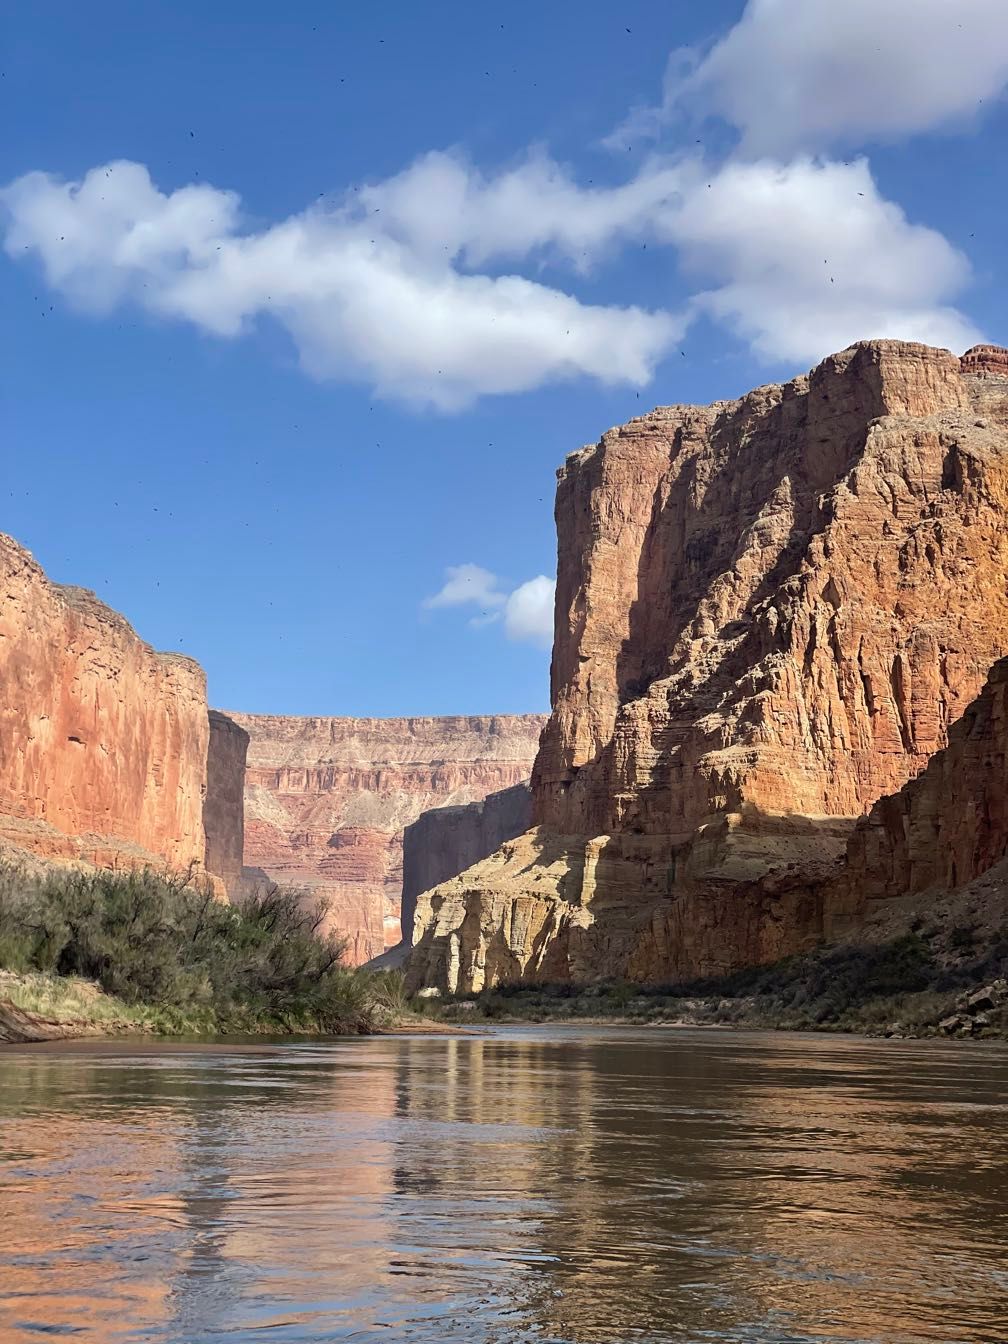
(303, 306)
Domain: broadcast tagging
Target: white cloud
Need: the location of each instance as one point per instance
(528, 614)
(442, 205)
(797, 258)
(808, 257)
(468, 584)
(527, 611)
(359, 300)
(798, 75)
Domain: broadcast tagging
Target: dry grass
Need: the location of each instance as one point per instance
(65, 999)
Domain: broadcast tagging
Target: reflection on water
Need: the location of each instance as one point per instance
(522, 1185)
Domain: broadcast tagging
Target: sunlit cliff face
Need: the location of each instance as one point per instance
(770, 611)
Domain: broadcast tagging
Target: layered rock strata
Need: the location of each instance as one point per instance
(327, 800)
(103, 741)
(446, 840)
(769, 611)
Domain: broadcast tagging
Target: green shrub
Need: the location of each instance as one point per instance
(167, 943)
(962, 938)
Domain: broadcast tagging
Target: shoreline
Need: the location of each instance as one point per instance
(19, 1028)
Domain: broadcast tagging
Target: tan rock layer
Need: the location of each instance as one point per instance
(769, 611)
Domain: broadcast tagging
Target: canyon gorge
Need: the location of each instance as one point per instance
(327, 801)
(769, 614)
(778, 697)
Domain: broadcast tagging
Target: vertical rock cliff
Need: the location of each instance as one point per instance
(943, 829)
(327, 799)
(103, 741)
(224, 804)
(445, 841)
(769, 611)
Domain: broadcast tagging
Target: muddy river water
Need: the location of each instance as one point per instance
(519, 1184)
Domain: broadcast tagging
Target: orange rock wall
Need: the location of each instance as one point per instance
(103, 741)
(782, 601)
(947, 826)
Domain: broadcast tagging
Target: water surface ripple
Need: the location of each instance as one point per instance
(519, 1185)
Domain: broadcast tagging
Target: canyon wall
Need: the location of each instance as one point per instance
(943, 829)
(327, 800)
(769, 612)
(103, 741)
(446, 840)
(224, 804)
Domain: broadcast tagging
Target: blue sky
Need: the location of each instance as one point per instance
(301, 311)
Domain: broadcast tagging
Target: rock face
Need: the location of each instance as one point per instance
(103, 741)
(224, 804)
(943, 829)
(327, 799)
(769, 611)
(446, 840)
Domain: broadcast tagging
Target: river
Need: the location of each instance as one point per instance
(539, 1184)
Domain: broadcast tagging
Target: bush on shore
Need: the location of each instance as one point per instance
(166, 944)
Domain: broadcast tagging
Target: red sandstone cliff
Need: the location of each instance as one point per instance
(326, 801)
(103, 741)
(769, 611)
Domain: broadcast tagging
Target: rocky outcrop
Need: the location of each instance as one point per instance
(327, 800)
(224, 804)
(986, 361)
(769, 611)
(103, 741)
(446, 840)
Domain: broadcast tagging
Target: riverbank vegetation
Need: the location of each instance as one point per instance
(922, 983)
(169, 957)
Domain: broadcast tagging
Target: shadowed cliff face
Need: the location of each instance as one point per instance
(327, 799)
(446, 840)
(769, 612)
(945, 828)
(103, 741)
(224, 805)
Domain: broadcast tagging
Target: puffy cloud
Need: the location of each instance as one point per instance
(807, 257)
(441, 204)
(527, 611)
(796, 258)
(468, 584)
(360, 301)
(798, 75)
